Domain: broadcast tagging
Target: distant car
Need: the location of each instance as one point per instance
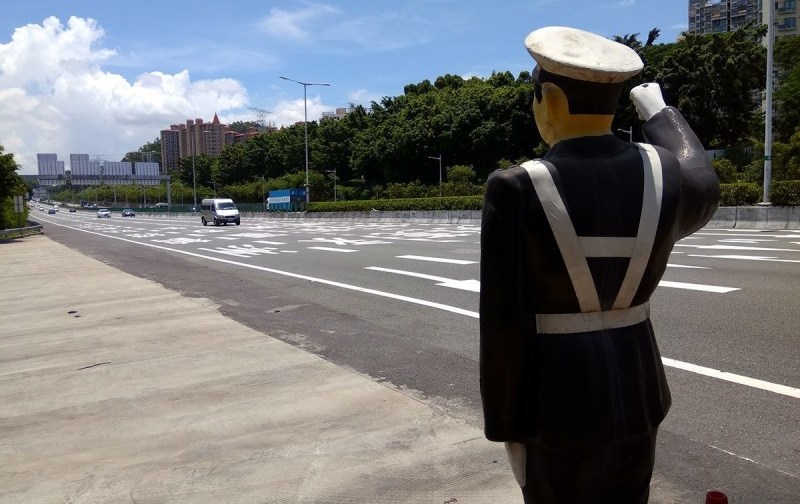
(72, 210)
(41, 209)
(128, 213)
(51, 210)
(103, 212)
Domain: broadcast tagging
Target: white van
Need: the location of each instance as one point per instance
(219, 211)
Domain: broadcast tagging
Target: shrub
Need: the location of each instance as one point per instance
(785, 193)
(399, 205)
(740, 194)
(725, 170)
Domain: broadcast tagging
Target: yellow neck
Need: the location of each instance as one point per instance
(582, 125)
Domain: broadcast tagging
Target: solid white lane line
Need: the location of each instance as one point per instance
(408, 273)
(467, 285)
(747, 258)
(753, 241)
(734, 378)
(436, 259)
(331, 249)
(269, 242)
(698, 287)
(736, 247)
(686, 266)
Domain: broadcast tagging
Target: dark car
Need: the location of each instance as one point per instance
(72, 210)
(51, 210)
(128, 213)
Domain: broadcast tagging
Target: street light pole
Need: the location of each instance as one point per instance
(194, 177)
(768, 104)
(334, 181)
(305, 121)
(439, 157)
(629, 131)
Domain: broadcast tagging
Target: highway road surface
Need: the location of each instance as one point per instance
(398, 302)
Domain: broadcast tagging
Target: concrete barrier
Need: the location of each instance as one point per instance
(724, 218)
(756, 217)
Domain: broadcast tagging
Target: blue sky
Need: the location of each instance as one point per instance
(103, 77)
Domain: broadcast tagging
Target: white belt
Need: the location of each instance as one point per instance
(567, 323)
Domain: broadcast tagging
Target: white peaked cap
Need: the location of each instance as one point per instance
(582, 55)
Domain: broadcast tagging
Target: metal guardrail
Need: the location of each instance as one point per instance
(9, 234)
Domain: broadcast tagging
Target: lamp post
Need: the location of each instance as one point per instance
(194, 177)
(629, 131)
(305, 121)
(768, 104)
(439, 157)
(334, 181)
(263, 190)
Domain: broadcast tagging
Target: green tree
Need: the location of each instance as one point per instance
(787, 96)
(11, 185)
(150, 152)
(713, 80)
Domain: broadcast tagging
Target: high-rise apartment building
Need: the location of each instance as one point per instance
(785, 18)
(717, 16)
(193, 138)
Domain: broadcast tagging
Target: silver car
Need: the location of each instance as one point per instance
(103, 212)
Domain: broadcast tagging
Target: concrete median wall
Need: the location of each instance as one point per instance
(757, 217)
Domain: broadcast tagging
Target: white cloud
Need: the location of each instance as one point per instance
(289, 112)
(55, 95)
(364, 97)
(334, 31)
(295, 25)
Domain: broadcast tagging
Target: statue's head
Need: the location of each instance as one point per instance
(577, 81)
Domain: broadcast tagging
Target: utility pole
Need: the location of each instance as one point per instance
(305, 122)
(768, 105)
(439, 157)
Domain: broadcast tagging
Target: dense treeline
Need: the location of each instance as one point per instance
(483, 124)
(472, 122)
(11, 184)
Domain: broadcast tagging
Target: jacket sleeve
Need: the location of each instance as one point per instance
(502, 327)
(699, 184)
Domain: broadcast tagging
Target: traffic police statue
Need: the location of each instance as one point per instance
(572, 247)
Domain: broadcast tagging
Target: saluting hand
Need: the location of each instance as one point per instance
(648, 100)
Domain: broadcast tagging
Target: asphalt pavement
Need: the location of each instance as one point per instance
(116, 389)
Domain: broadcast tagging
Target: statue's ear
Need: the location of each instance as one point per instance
(555, 101)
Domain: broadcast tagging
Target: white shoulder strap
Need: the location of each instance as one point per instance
(648, 224)
(566, 237)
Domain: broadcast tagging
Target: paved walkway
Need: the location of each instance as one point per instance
(115, 389)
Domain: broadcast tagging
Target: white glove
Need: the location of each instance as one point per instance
(648, 100)
(517, 456)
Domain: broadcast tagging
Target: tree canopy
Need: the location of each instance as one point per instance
(716, 81)
(11, 184)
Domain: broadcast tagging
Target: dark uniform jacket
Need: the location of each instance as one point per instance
(598, 386)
